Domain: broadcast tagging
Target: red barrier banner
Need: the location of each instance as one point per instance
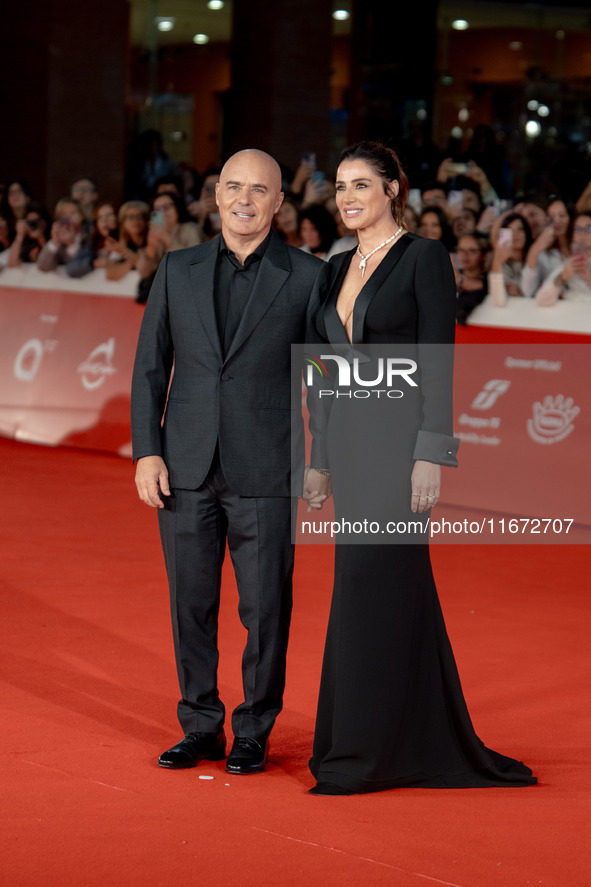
(522, 411)
(523, 415)
(65, 364)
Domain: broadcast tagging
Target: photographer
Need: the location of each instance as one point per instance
(31, 236)
(67, 237)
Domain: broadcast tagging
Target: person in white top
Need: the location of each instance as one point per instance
(548, 251)
(572, 279)
(511, 245)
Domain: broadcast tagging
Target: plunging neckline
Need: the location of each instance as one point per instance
(364, 296)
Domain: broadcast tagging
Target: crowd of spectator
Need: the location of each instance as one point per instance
(526, 247)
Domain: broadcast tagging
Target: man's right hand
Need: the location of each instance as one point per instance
(151, 480)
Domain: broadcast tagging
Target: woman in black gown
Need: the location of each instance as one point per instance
(391, 710)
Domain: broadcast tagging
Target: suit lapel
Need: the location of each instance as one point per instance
(274, 271)
(202, 271)
(335, 331)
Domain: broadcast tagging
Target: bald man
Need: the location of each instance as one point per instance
(218, 467)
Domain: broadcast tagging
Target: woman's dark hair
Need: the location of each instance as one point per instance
(179, 203)
(385, 162)
(517, 217)
(5, 208)
(554, 198)
(447, 237)
(97, 241)
(324, 224)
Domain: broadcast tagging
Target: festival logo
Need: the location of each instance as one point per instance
(552, 419)
(29, 357)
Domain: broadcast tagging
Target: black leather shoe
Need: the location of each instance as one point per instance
(194, 747)
(248, 756)
(329, 788)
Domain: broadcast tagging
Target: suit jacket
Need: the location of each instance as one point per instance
(410, 299)
(243, 402)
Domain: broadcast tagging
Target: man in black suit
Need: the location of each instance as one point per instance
(218, 467)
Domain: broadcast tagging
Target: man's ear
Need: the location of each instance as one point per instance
(280, 197)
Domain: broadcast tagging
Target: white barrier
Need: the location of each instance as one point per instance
(95, 283)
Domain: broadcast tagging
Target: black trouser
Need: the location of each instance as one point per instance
(194, 526)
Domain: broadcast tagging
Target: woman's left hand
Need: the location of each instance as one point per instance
(425, 482)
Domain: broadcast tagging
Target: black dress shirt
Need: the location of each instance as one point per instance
(233, 287)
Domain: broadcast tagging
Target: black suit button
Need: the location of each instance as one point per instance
(226, 377)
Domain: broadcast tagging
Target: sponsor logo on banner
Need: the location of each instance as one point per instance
(98, 365)
(490, 393)
(29, 357)
(552, 419)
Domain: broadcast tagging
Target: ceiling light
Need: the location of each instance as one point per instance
(533, 128)
(463, 114)
(460, 24)
(341, 15)
(532, 105)
(165, 23)
(457, 132)
(215, 4)
(201, 38)
(544, 111)
(515, 45)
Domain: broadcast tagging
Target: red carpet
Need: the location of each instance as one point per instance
(89, 693)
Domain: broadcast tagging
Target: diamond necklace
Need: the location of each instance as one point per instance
(364, 259)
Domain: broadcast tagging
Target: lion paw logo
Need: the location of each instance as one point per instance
(553, 419)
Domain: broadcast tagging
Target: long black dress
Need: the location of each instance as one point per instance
(391, 710)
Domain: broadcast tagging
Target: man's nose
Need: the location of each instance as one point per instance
(244, 196)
